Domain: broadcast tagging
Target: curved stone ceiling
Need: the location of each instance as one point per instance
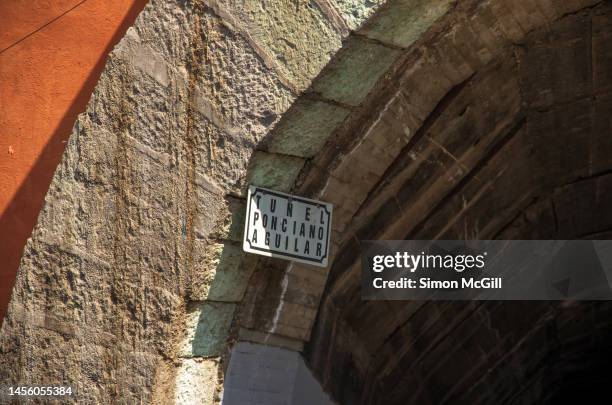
(491, 125)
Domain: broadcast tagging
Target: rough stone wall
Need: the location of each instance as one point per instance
(134, 276)
(391, 139)
(128, 285)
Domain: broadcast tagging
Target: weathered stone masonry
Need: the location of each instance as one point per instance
(134, 286)
(492, 123)
(125, 252)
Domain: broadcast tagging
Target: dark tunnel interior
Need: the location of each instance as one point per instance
(535, 128)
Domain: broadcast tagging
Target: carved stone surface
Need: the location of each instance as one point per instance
(140, 218)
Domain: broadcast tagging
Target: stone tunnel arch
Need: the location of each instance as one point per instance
(396, 115)
(485, 127)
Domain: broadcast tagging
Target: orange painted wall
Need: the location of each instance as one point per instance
(51, 56)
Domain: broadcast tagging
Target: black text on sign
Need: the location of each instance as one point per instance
(289, 227)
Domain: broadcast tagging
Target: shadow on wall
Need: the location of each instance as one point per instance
(20, 215)
(211, 312)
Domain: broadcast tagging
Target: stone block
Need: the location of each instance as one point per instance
(451, 64)
(340, 195)
(558, 70)
(306, 128)
(346, 173)
(402, 22)
(222, 274)
(146, 119)
(143, 57)
(294, 320)
(342, 220)
(527, 16)
(354, 72)
(396, 127)
(356, 12)
(601, 158)
(196, 381)
(288, 32)
(602, 52)
(484, 27)
(303, 293)
(500, 13)
(236, 81)
(231, 225)
(277, 172)
(372, 158)
(580, 208)
(207, 327)
(313, 275)
(569, 7)
(270, 339)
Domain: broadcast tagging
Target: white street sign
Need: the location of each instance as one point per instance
(288, 227)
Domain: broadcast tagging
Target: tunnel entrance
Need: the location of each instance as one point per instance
(435, 119)
(520, 149)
